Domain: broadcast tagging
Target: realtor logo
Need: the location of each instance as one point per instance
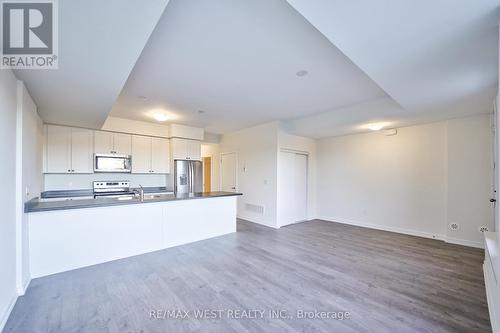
(29, 34)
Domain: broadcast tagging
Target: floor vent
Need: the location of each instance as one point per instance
(257, 209)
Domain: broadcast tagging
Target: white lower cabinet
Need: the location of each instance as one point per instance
(150, 155)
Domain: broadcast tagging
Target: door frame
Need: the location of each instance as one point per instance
(211, 169)
(221, 173)
(298, 152)
(495, 180)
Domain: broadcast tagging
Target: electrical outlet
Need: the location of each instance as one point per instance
(483, 228)
(454, 226)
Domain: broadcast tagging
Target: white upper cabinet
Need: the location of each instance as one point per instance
(194, 150)
(71, 150)
(103, 142)
(183, 149)
(81, 151)
(58, 149)
(122, 143)
(141, 154)
(112, 143)
(150, 155)
(160, 155)
(68, 150)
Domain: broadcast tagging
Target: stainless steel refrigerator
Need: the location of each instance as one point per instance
(188, 176)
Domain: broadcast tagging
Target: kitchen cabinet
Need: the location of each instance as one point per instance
(82, 154)
(150, 155)
(184, 149)
(58, 154)
(112, 143)
(160, 155)
(122, 143)
(68, 150)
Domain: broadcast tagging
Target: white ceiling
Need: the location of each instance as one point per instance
(237, 61)
(437, 58)
(399, 61)
(99, 43)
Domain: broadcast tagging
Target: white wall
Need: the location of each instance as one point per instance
(54, 182)
(213, 150)
(29, 175)
(404, 183)
(470, 177)
(305, 145)
(136, 127)
(257, 150)
(8, 91)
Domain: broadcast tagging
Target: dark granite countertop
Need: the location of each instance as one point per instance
(90, 192)
(42, 205)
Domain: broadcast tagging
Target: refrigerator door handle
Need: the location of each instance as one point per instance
(191, 177)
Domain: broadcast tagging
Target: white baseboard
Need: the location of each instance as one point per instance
(21, 290)
(386, 228)
(410, 232)
(451, 240)
(5, 316)
(257, 221)
(464, 242)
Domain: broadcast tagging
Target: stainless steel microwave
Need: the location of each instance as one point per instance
(112, 163)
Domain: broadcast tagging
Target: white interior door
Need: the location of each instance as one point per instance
(292, 197)
(229, 172)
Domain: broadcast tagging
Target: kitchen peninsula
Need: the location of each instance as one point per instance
(69, 234)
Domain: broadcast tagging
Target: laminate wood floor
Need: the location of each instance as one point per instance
(387, 282)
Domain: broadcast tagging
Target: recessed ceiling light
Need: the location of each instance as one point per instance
(161, 117)
(301, 73)
(376, 126)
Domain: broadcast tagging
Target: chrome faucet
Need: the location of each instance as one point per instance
(140, 192)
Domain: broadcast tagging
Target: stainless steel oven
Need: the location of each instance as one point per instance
(112, 163)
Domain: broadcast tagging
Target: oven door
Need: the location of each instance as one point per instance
(112, 163)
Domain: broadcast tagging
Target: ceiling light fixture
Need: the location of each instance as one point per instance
(376, 126)
(302, 73)
(161, 116)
